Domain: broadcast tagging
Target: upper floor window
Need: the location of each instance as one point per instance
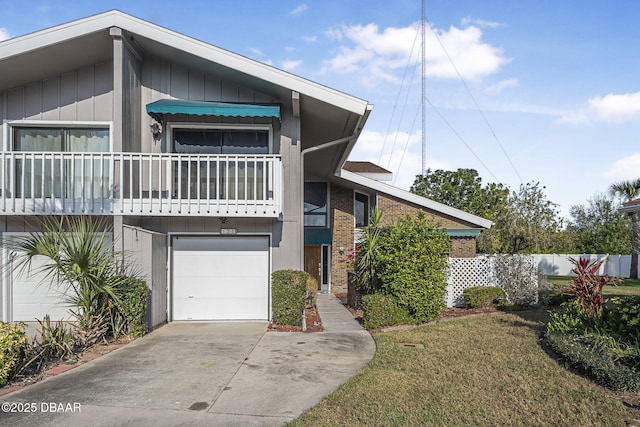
(220, 140)
(60, 139)
(315, 204)
(361, 209)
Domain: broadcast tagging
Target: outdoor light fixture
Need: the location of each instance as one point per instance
(341, 250)
(156, 131)
(223, 219)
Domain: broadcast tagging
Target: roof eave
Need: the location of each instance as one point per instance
(414, 198)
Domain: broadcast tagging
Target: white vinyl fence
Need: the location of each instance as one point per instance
(559, 265)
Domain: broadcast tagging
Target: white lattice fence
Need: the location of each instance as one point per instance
(498, 270)
(466, 273)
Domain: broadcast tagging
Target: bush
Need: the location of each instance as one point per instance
(571, 319)
(13, 347)
(519, 277)
(132, 305)
(621, 319)
(288, 292)
(595, 365)
(381, 310)
(410, 265)
(483, 297)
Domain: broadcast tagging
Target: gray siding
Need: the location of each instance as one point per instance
(83, 94)
(148, 251)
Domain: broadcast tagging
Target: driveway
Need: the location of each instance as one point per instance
(202, 374)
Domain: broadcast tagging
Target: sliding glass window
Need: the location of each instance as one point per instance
(57, 174)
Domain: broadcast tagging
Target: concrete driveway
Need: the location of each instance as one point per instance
(191, 374)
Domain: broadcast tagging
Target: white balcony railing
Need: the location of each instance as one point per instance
(45, 183)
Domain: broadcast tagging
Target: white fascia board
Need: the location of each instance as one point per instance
(59, 33)
(413, 198)
(92, 24)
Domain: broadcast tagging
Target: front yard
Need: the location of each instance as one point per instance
(489, 370)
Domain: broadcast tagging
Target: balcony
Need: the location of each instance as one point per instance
(141, 184)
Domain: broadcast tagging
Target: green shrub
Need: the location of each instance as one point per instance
(483, 297)
(621, 319)
(600, 367)
(132, 305)
(410, 265)
(381, 310)
(13, 347)
(288, 292)
(570, 319)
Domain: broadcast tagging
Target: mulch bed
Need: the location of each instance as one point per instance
(312, 318)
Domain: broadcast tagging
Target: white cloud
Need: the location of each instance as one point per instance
(4, 34)
(291, 64)
(625, 168)
(501, 85)
(299, 10)
(377, 54)
(258, 53)
(310, 39)
(480, 23)
(290, 49)
(610, 108)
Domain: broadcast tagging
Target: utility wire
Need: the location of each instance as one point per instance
(406, 144)
(404, 106)
(461, 139)
(464, 83)
(406, 68)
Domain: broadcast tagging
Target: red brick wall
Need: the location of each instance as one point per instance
(342, 226)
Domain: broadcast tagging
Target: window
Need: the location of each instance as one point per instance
(44, 176)
(361, 209)
(228, 178)
(221, 141)
(315, 204)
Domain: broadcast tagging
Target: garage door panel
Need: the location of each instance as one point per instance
(34, 296)
(221, 278)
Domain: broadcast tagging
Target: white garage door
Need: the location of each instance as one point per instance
(220, 278)
(33, 297)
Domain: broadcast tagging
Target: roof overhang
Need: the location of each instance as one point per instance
(415, 199)
(630, 207)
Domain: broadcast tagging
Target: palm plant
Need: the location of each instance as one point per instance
(630, 190)
(81, 260)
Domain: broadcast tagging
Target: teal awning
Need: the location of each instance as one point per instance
(317, 236)
(161, 107)
(463, 233)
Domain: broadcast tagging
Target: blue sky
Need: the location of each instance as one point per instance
(557, 82)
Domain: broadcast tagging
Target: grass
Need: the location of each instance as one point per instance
(487, 370)
(628, 287)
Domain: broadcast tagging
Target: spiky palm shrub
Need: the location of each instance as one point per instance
(81, 261)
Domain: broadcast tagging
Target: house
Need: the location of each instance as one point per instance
(213, 170)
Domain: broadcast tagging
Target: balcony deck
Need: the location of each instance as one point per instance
(141, 184)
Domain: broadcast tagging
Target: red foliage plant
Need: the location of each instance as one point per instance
(587, 286)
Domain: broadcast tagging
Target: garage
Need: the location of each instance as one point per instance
(220, 278)
(34, 297)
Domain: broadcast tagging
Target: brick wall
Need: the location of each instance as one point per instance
(463, 247)
(342, 225)
(393, 209)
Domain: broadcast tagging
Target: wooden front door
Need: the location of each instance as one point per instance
(313, 261)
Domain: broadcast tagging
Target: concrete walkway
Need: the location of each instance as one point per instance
(202, 374)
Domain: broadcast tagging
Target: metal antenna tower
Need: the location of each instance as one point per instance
(423, 101)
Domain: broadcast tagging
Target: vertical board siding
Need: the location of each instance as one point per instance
(84, 94)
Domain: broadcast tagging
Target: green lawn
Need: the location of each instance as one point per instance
(626, 287)
(487, 370)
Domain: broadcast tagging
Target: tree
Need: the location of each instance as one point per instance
(528, 224)
(630, 190)
(462, 189)
(599, 228)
